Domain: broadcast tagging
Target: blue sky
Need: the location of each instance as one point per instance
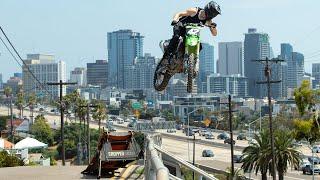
(75, 30)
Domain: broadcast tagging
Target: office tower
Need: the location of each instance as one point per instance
(230, 58)
(256, 46)
(97, 73)
(45, 69)
(123, 47)
(79, 75)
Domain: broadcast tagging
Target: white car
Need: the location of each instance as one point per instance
(316, 149)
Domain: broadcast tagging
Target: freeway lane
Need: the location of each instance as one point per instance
(178, 146)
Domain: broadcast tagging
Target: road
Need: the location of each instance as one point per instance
(179, 147)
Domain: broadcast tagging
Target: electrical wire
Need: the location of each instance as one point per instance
(27, 67)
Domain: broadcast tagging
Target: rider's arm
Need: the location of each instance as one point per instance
(188, 12)
(212, 28)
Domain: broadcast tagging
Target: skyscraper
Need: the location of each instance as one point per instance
(206, 64)
(230, 58)
(256, 46)
(141, 73)
(79, 75)
(298, 73)
(97, 73)
(316, 74)
(286, 55)
(236, 85)
(45, 70)
(123, 47)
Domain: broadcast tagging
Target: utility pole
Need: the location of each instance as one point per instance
(88, 106)
(11, 119)
(267, 73)
(231, 133)
(60, 83)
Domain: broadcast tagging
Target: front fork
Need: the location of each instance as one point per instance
(195, 52)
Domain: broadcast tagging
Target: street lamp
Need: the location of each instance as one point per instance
(250, 128)
(189, 128)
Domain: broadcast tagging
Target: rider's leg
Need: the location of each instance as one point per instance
(172, 47)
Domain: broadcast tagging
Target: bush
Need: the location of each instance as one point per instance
(42, 131)
(7, 160)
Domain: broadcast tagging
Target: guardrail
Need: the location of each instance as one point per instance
(154, 168)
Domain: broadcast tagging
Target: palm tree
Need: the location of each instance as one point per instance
(31, 101)
(99, 113)
(285, 153)
(8, 93)
(20, 102)
(257, 155)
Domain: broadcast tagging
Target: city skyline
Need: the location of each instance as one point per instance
(91, 27)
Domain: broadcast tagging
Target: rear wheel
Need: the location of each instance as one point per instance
(161, 76)
(190, 72)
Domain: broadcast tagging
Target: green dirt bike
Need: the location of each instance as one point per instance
(184, 60)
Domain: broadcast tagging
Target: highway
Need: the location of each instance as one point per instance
(176, 143)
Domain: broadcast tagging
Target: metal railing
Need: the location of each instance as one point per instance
(154, 167)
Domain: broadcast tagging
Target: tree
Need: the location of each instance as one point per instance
(304, 97)
(285, 153)
(257, 155)
(42, 131)
(8, 93)
(20, 102)
(3, 122)
(99, 113)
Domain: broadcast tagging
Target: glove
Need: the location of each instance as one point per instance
(213, 25)
(173, 23)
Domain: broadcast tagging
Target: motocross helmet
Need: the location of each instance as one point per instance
(212, 9)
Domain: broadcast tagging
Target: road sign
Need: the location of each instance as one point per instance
(136, 105)
(207, 122)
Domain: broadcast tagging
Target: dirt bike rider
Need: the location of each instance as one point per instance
(192, 15)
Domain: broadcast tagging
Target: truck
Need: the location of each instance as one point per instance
(115, 150)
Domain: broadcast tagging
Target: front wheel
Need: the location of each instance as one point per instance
(161, 76)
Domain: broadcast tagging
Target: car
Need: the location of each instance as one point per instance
(316, 149)
(241, 137)
(111, 128)
(178, 126)
(131, 124)
(314, 160)
(195, 130)
(308, 169)
(223, 136)
(207, 153)
(202, 132)
(191, 133)
(237, 158)
(228, 141)
(302, 164)
(171, 130)
(127, 120)
(209, 136)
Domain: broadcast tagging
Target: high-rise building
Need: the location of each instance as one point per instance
(230, 58)
(235, 85)
(18, 75)
(141, 73)
(286, 55)
(295, 70)
(256, 46)
(316, 74)
(123, 47)
(206, 65)
(45, 70)
(15, 83)
(79, 75)
(97, 73)
(1, 82)
(178, 87)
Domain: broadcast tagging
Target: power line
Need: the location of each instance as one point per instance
(10, 51)
(27, 67)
